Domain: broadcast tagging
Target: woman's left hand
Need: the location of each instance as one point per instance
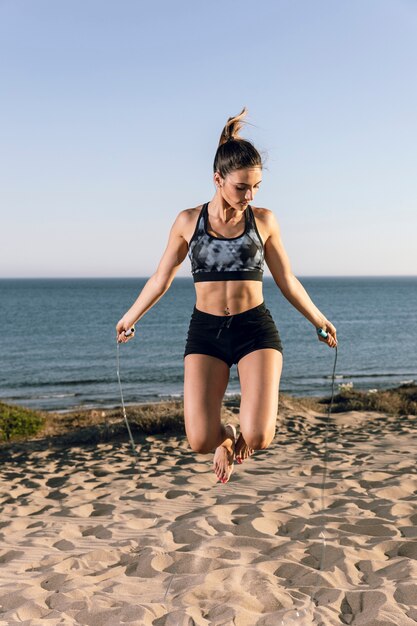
(331, 338)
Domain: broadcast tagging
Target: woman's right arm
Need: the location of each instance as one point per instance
(161, 280)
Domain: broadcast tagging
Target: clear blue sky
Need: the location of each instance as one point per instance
(111, 114)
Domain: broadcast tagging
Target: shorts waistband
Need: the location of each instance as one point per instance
(197, 314)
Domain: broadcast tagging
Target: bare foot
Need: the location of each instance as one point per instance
(242, 451)
(224, 455)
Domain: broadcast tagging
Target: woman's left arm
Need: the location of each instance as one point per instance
(278, 262)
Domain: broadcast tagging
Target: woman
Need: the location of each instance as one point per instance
(228, 241)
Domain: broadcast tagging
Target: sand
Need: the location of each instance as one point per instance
(86, 537)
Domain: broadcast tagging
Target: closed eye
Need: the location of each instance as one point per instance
(243, 188)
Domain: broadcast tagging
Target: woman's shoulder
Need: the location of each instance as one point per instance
(189, 215)
(186, 220)
(262, 213)
(265, 217)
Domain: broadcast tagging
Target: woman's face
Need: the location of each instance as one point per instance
(239, 187)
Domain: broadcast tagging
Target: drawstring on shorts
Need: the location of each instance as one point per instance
(225, 324)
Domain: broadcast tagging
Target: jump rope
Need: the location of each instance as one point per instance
(132, 442)
(300, 613)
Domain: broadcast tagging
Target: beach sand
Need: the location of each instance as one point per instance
(87, 537)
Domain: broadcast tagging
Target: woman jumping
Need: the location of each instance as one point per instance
(228, 241)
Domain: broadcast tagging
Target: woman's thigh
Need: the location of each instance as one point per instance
(205, 382)
(259, 375)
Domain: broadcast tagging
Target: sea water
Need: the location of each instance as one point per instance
(58, 342)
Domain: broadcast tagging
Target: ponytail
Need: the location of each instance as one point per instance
(232, 128)
(234, 152)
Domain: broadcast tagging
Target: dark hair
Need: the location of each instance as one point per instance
(234, 152)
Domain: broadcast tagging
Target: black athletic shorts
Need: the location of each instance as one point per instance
(230, 338)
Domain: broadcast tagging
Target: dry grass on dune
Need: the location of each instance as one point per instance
(398, 401)
(89, 426)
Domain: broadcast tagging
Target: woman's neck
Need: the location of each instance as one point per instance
(218, 208)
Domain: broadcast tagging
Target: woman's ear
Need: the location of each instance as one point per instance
(218, 180)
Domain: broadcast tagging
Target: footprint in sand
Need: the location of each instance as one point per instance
(54, 582)
(63, 545)
(406, 593)
(408, 549)
(56, 481)
(9, 555)
(100, 532)
(56, 495)
(371, 529)
(102, 509)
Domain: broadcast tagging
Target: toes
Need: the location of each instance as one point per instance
(222, 473)
(242, 455)
(218, 471)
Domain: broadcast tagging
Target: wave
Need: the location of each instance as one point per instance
(399, 375)
(157, 378)
(37, 396)
(62, 383)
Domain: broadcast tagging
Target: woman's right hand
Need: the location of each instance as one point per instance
(121, 328)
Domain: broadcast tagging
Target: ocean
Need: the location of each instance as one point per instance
(58, 346)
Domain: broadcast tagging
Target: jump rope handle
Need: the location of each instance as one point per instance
(129, 332)
(321, 333)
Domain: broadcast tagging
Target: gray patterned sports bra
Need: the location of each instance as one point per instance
(236, 258)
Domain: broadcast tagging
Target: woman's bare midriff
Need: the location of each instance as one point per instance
(228, 297)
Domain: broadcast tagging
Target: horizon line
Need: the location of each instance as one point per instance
(191, 278)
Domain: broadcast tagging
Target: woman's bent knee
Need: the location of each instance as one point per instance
(201, 446)
(258, 441)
